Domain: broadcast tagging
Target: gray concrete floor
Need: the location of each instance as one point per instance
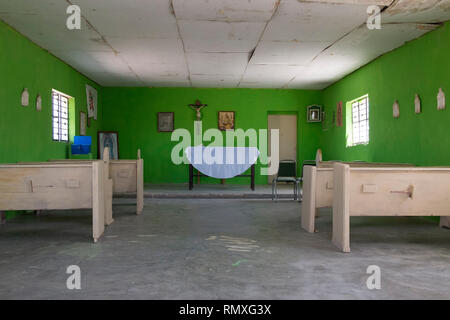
(215, 191)
(220, 249)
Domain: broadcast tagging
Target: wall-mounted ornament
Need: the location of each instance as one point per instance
(441, 100)
(417, 104)
(324, 121)
(396, 110)
(166, 121)
(83, 123)
(197, 106)
(108, 139)
(38, 102)
(339, 115)
(92, 97)
(314, 113)
(25, 97)
(226, 120)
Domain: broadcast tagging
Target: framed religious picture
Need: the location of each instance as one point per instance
(108, 139)
(314, 113)
(83, 123)
(226, 120)
(91, 95)
(339, 116)
(166, 121)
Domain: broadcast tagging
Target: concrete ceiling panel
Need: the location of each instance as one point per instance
(225, 10)
(291, 53)
(217, 63)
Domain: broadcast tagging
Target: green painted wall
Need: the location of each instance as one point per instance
(25, 133)
(421, 66)
(133, 113)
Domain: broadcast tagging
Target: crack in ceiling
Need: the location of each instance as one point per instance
(385, 3)
(251, 53)
(172, 11)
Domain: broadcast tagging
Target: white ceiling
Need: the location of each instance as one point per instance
(306, 44)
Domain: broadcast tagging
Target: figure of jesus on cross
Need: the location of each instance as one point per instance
(197, 107)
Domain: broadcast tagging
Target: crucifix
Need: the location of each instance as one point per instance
(197, 107)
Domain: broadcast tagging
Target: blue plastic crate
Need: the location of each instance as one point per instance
(83, 140)
(80, 149)
(81, 145)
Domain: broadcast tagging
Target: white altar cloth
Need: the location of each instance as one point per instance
(222, 162)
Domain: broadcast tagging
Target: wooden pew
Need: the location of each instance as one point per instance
(107, 183)
(318, 185)
(370, 191)
(127, 176)
(56, 186)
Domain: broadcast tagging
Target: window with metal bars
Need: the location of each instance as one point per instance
(60, 116)
(360, 121)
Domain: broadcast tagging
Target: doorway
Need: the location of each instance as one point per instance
(287, 126)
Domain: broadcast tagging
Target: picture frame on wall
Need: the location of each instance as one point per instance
(92, 97)
(108, 139)
(83, 123)
(314, 113)
(226, 120)
(339, 114)
(166, 121)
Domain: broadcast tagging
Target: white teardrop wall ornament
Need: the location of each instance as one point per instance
(441, 100)
(39, 103)
(396, 110)
(25, 98)
(417, 104)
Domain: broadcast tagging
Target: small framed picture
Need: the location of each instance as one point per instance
(339, 118)
(108, 139)
(165, 121)
(314, 113)
(226, 120)
(83, 123)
